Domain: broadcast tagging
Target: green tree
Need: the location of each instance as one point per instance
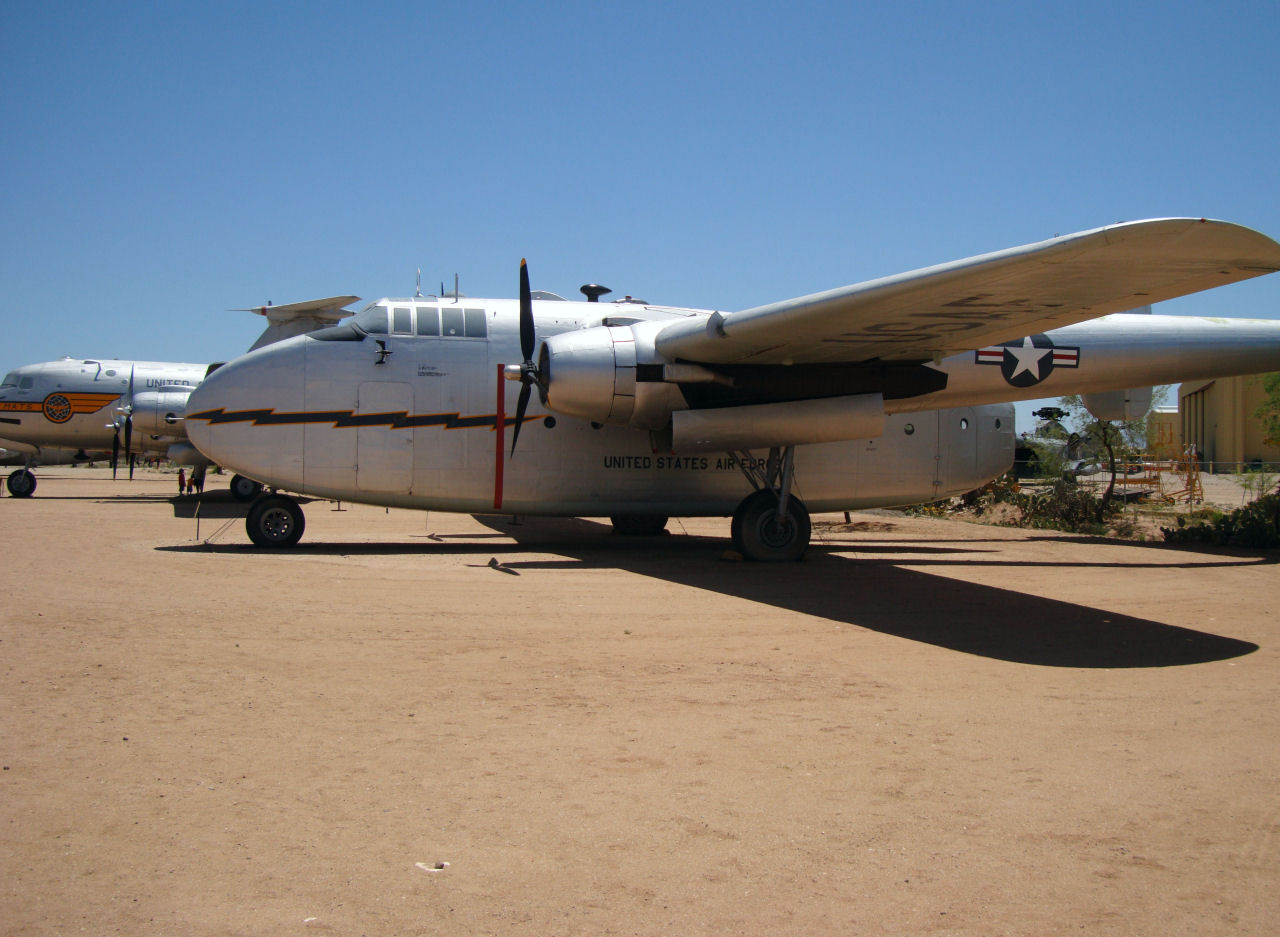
(1269, 410)
(1119, 440)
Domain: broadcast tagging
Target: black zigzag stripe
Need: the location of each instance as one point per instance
(345, 419)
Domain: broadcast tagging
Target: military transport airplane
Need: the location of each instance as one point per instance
(75, 410)
(888, 392)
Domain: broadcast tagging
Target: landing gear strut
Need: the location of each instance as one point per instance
(771, 525)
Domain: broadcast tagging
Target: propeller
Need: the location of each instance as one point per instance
(527, 372)
(127, 423)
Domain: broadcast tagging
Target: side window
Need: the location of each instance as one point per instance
(473, 323)
(26, 383)
(451, 321)
(401, 320)
(428, 320)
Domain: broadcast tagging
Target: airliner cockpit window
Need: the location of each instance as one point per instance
(373, 319)
(10, 380)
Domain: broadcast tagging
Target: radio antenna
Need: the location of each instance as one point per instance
(418, 294)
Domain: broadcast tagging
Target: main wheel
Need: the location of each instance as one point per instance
(639, 525)
(21, 484)
(244, 489)
(762, 533)
(275, 521)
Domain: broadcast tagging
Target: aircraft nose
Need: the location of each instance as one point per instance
(247, 415)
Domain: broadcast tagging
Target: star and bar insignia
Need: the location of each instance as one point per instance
(1028, 362)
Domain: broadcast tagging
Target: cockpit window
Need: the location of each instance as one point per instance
(428, 320)
(401, 321)
(451, 320)
(373, 319)
(10, 380)
(463, 323)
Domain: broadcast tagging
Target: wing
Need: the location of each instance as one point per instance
(938, 311)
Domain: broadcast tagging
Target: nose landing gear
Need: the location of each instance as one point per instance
(275, 521)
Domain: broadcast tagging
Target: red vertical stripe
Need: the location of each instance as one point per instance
(499, 425)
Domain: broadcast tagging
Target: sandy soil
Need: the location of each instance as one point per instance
(928, 727)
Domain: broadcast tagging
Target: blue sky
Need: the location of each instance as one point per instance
(166, 162)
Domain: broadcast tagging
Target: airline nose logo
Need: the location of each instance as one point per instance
(57, 408)
(1030, 361)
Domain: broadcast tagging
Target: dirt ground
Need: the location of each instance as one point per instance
(429, 724)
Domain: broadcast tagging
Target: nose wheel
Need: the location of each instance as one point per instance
(21, 484)
(771, 525)
(275, 521)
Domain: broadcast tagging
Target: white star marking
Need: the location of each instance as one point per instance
(1029, 358)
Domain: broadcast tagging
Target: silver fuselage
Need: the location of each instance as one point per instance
(423, 421)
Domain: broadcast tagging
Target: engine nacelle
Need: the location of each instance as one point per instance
(796, 422)
(591, 373)
(160, 412)
(1119, 405)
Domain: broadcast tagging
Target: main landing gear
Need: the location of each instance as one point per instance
(275, 521)
(771, 525)
(21, 484)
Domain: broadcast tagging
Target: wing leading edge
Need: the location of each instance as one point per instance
(946, 309)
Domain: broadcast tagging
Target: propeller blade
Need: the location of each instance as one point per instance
(521, 404)
(115, 452)
(526, 315)
(128, 443)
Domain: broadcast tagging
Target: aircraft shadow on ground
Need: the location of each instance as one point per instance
(872, 592)
(880, 595)
(97, 499)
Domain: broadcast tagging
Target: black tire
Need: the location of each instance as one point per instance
(639, 525)
(21, 484)
(244, 489)
(275, 521)
(760, 534)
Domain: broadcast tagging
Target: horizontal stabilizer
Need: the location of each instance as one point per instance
(299, 318)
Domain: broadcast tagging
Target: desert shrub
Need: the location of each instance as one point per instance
(1255, 525)
(1065, 506)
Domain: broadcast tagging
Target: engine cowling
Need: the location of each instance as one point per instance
(591, 373)
(159, 412)
(614, 375)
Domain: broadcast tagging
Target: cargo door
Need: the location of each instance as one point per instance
(957, 449)
(384, 447)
